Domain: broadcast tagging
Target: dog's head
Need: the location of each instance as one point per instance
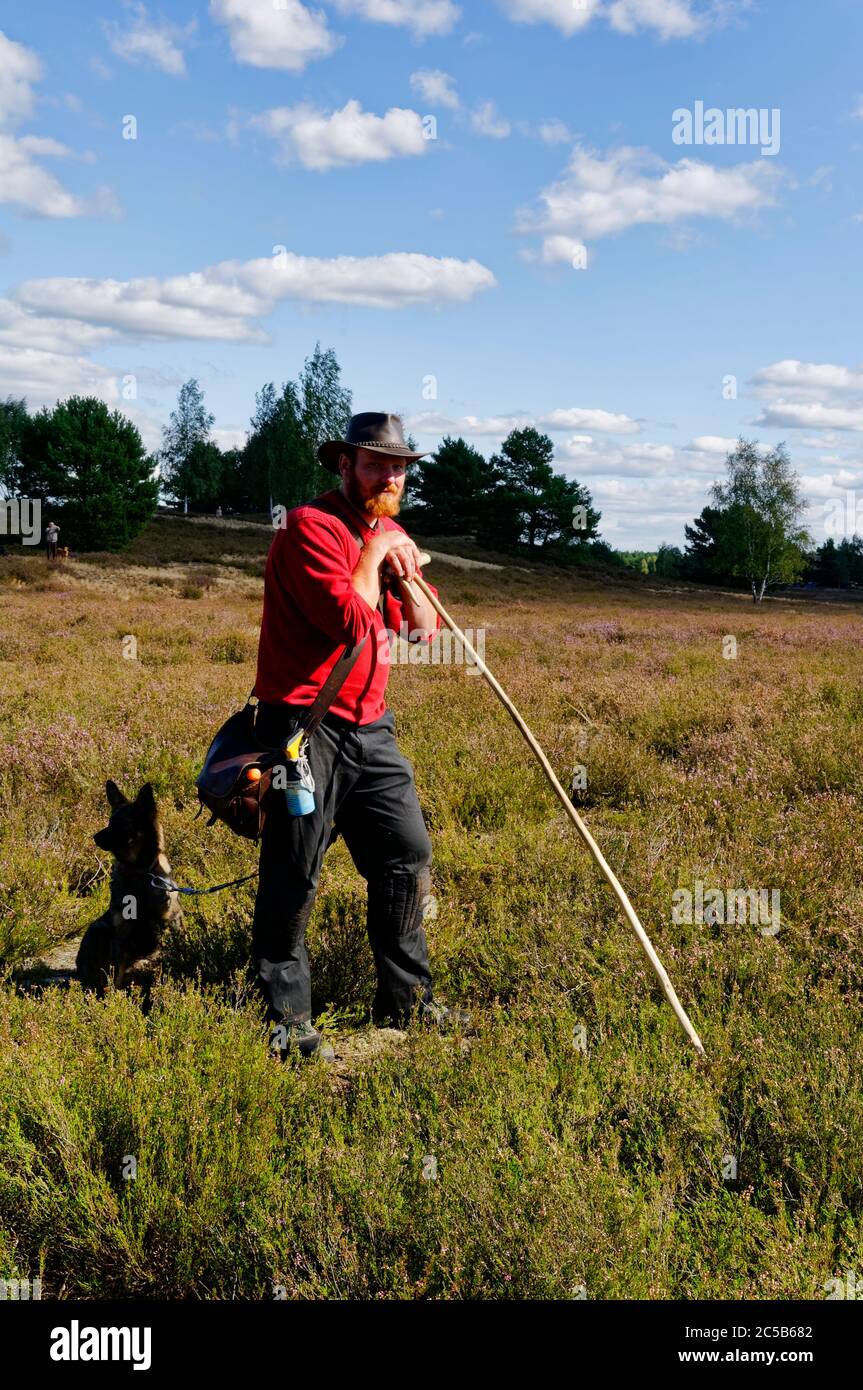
(132, 834)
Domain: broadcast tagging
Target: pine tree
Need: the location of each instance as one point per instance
(92, 462)
(451, 486)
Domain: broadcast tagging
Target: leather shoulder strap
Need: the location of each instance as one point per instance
(341, 670)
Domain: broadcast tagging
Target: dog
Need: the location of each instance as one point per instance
(62, 552)
(130, 932)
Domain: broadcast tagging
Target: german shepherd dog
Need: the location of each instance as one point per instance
(139, 911)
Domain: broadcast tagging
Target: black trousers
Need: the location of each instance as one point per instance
(364, 790)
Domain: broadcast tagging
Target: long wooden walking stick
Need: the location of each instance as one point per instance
(667, 987)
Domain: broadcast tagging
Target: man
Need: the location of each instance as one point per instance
(323, 592)
(52, 535)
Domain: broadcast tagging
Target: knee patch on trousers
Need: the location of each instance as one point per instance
(399, 902)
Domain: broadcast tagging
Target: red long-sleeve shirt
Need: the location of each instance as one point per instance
(311, 611)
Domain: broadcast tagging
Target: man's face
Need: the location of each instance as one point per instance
(374, 482)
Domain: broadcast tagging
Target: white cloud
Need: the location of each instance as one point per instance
(264, 35)
(20, 328)
(603, 421)
(26, 185)
(435, 87)
(669, 19)
(806, 379)
(493, 426)
(43, 377)
(147, 42)
(185, 306)
(857, 113)
(810, 415)
(598, 197)
(711, 444)
(594, 458)
(821, 396)
(828, 484)
(19, 69)
(553, 131)
(563, 248)
(423, 17)
(636, 512)
(486, 120)
(820, 441)
(49, 327)
(223, 302)
(566, 15)
(321, 140)
(390, 281)
(498, 426)
(651, 453)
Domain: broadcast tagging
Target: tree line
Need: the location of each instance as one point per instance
(89, 465)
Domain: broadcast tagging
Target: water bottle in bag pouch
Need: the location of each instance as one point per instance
(299, 783)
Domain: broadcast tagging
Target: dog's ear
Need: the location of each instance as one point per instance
(145, 800)
(115, 796)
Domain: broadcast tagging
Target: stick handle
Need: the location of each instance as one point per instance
(616, 887)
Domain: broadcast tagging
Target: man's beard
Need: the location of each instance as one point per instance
(379, 504)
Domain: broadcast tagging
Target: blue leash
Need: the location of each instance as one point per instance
(172, 887)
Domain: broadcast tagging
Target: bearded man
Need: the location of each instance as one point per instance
(334, 575)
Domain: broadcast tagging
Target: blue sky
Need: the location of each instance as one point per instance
(481, 207)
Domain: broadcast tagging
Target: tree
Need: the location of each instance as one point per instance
(233, 495)
(669, 562)
(452, 486)
(280, 458)
(704, 559)
(189, 428)
(325, 404)
(529, 499)
(290, 462)
(92, 463)
(273, 465)
(838, 566)
(13, 420)
(763, 540)
(203, 475)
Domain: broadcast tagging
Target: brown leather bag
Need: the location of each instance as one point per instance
(236, 778)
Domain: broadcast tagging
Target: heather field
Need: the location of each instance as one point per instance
(577, 1147)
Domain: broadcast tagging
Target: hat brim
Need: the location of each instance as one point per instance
(328, 453)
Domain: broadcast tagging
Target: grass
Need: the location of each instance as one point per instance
(577, 1144)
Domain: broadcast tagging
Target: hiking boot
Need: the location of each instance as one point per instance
(437, 1015)
(303, 1036)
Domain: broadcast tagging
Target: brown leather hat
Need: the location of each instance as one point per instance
(371, 430)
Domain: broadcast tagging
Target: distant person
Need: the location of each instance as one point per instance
(218, 511)
(52, 534)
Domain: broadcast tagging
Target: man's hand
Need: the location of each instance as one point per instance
(398, 553)
(390, 557)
